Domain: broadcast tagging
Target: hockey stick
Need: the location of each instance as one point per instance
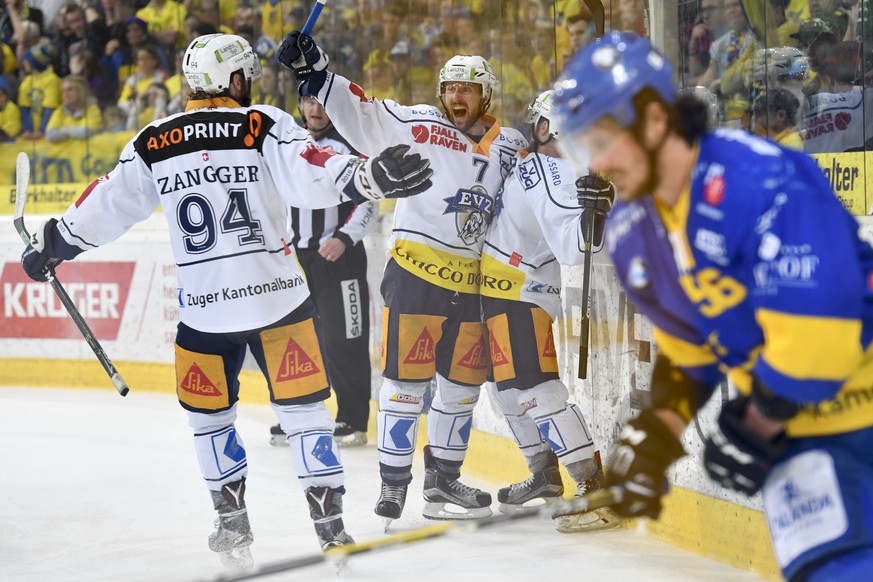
(313, 17)
(585, 330)
(22, 177)
(338, 554)
(596, 9)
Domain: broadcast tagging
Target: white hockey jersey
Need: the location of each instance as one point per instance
(437, 235)
(224, 178)
(538, 227)
(310, 228)
(837, 122)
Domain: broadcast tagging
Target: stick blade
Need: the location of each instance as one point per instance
(22, 179)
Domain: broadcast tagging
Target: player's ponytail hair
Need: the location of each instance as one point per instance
(688, 116)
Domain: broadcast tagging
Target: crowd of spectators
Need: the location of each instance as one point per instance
(797, 72)
(124, 55)
(782, 73)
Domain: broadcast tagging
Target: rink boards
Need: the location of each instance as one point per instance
(128, 293)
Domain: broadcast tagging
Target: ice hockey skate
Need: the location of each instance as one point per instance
(326, 510)
(278, 438)
(449, 498)
(391, 502)
(587, 521)
(541, 487)
(233, 533)
(346, 436)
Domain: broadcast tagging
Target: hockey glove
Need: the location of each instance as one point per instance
(306, 60)
(592, 191)
(393, 174)
(595, 196)
(639, 464)
(735, 456)
(38, 259)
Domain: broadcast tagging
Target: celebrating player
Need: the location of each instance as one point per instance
(540, 196)
(329, 245)
(432, 323)
(744, 259)
(216, 172)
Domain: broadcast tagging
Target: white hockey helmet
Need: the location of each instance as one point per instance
(211, 59)
(540, 108)
(780, 64)
(708, 98)
(468, 69)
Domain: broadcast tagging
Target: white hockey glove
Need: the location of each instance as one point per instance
(38, 259)
(393, 174)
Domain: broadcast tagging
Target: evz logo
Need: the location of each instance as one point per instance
(473, 209)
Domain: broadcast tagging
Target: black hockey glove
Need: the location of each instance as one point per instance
(38, 259)
(639, 464)
(393, 174)
(306, 60)
(592, 191)
(595, 196)
(735, 456)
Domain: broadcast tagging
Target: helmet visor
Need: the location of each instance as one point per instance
(574, 148)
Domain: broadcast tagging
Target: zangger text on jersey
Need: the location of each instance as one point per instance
(209, 174)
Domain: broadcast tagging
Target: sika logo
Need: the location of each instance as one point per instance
(515, 259)
(296, 364)
(420, 133)
(475, 358)
(549, 349)
(197, 382)
(422, 351)
(498, 357)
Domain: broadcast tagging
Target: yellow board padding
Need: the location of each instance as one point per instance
(691, 521)
(723, 531)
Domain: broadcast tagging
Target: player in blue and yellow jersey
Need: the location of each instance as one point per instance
(748, 265)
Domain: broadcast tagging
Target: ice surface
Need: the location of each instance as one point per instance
(96, 487)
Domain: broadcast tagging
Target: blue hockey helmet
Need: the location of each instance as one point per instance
(603, 78)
